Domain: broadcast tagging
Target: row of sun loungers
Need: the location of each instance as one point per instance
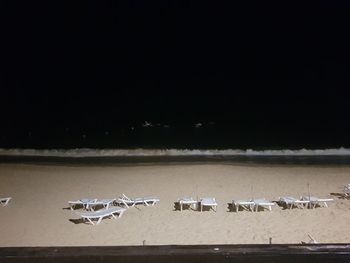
(90, 204)
(108, 210)
(255, 204)
(288, 202)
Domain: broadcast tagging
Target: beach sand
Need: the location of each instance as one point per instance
(38, 214)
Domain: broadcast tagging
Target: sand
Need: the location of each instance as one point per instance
(38, 214)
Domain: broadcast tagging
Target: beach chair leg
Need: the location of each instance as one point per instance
(201, 208)
(236, 208)
(99, 220)
(6, 201)
(325, 204)
(90, 221)
(125, 204)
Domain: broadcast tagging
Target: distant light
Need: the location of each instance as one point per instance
(147, 124)
(198, 125)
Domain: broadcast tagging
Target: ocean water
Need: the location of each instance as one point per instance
(85, 156)
(197, 134)
(163, 142)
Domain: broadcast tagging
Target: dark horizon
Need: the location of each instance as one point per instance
(259, 75)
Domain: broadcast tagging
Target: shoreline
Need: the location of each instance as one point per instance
(37, 215)
(308, 161)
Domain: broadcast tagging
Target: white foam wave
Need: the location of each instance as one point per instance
(85, 152)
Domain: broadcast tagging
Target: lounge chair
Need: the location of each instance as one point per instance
(99, 215)
(346, 191)
(314, 201)
(262, 203)
(89, 204)
(85, 203)
(208, 201)
(246, 205)
(5, 200)
(188, 201)
(130, 202)
(290, 201)
(106, 203)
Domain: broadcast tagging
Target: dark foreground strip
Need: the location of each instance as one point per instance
(202, 253)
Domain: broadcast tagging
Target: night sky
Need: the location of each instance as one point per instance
(266, 74)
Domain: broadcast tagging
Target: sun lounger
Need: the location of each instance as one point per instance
(99, 215)
(130, 202)
(85, 203)
(263, 203)
(5, 200)
(314, 201)
(188, 201)
(208, 201)
(106, 203)
(89, 204)
(290, 201)
(246, 205)
(346, 190)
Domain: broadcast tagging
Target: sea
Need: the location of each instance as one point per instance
(115, 157)
(149, 142)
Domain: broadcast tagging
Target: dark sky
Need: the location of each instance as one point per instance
(91, 63)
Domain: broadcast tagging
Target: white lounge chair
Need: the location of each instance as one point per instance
(314, 201)
(208, 201)
(89, 204)
(99, 215)
(246, 205)
(130, 202)
(290, 201)
(106, 203)
(5, 200)
(346, 191)
(262, 203)
(85, 203)
(188, 201)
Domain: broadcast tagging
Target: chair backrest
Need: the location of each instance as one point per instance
(126, 198)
